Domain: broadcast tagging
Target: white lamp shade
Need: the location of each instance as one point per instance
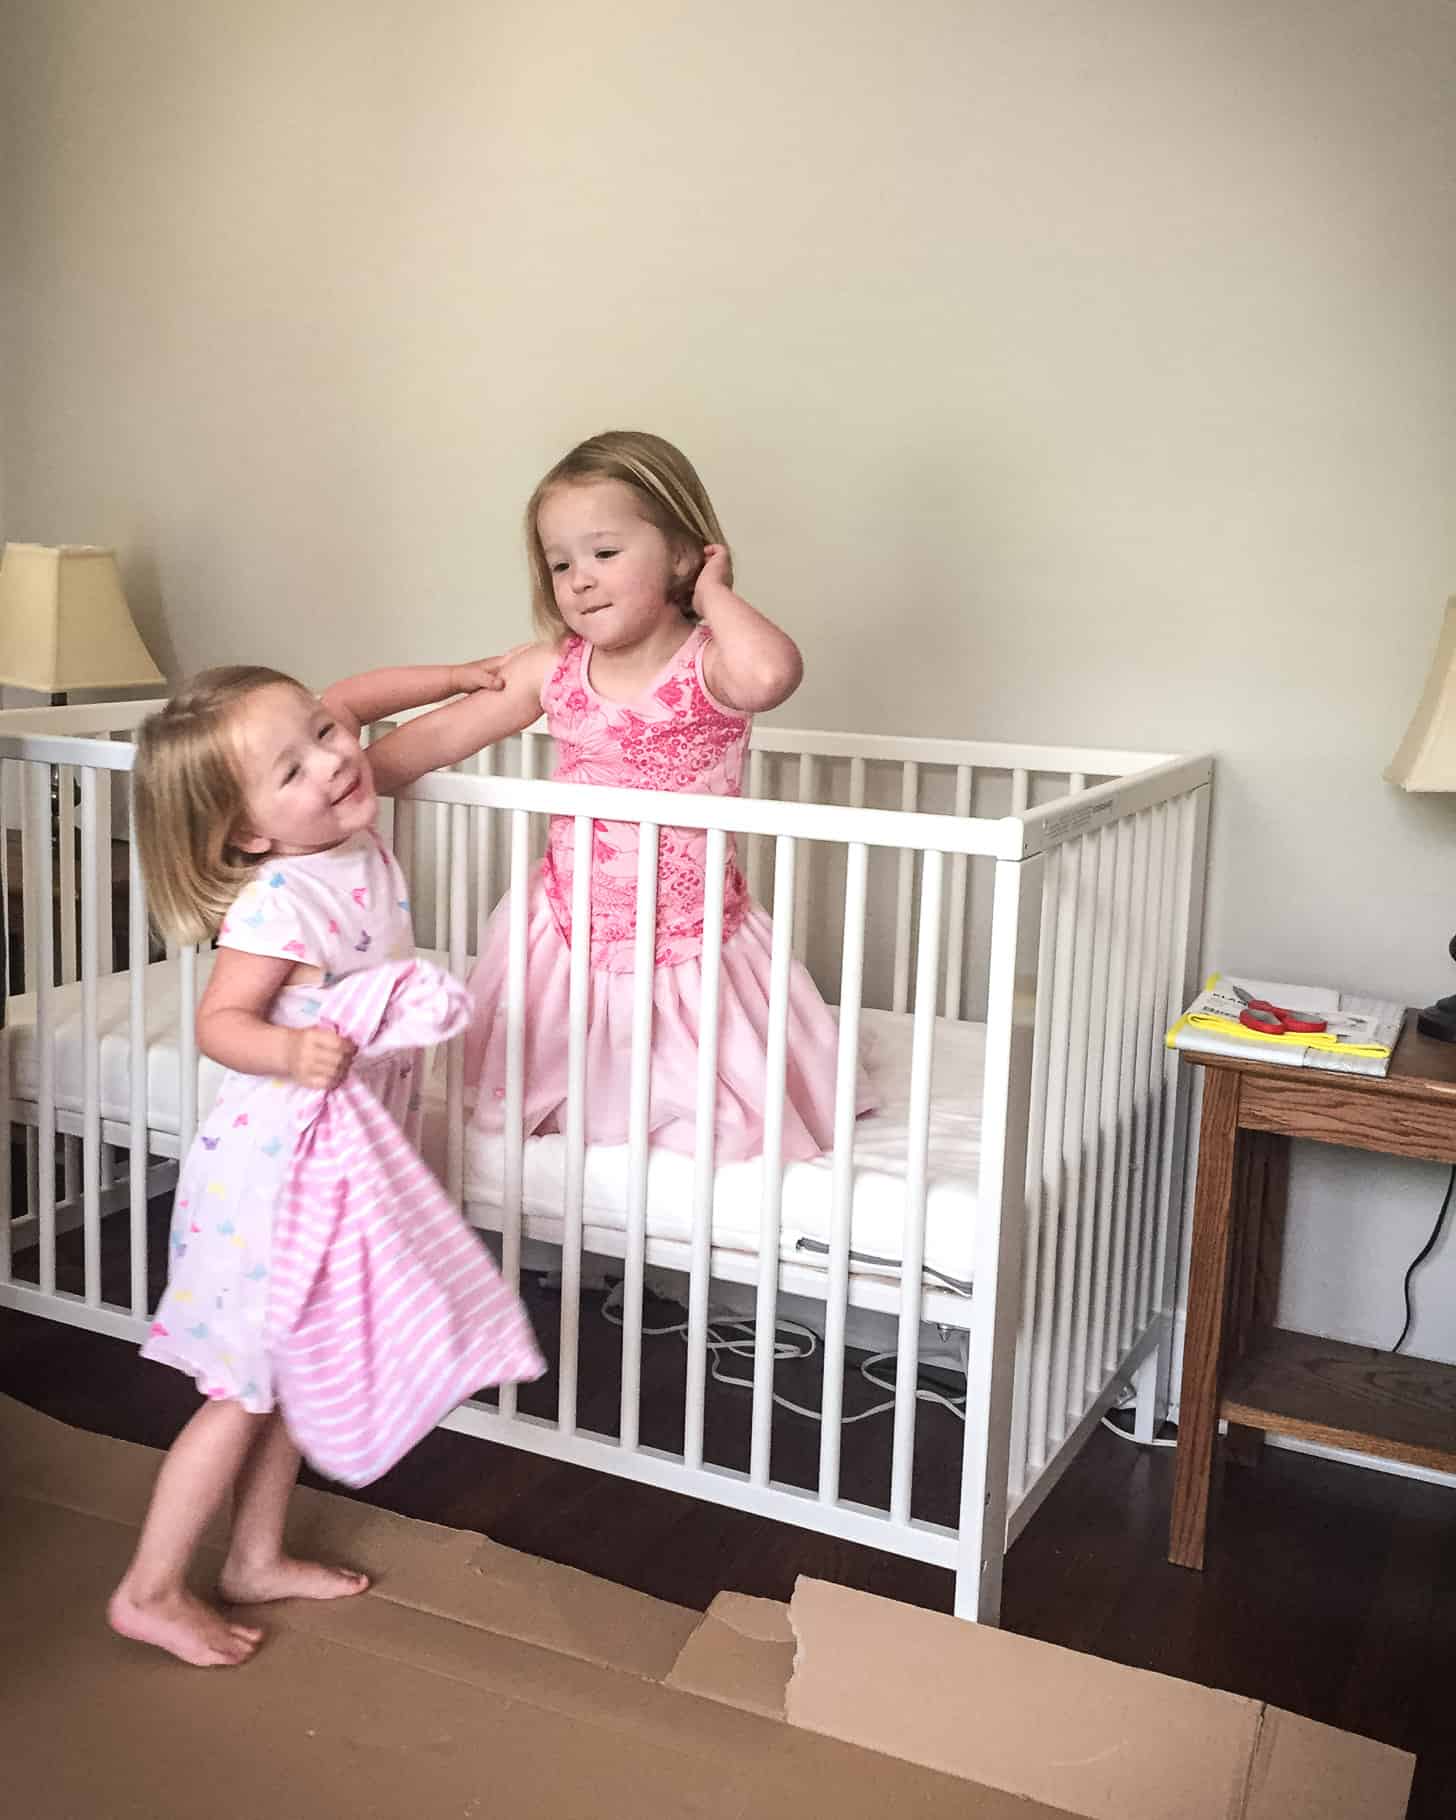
(1427, 756)
(64, 622)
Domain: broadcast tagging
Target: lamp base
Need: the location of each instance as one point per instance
(1439, 1020)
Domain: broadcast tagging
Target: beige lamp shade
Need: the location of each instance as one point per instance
(64, 622)
(1427, 756)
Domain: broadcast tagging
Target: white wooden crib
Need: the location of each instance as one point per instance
(1013, 926)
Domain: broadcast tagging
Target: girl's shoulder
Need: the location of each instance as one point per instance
(557, 667)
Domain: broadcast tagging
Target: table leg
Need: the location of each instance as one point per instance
(1257, 1243)
(1208, 1274)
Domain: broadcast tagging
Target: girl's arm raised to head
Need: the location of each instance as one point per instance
(233, 1027)
(464, 727)
(376, 694)
(749, 663)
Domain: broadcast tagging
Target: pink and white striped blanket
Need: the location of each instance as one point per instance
(384, 1308)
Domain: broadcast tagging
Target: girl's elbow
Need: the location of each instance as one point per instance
(775, 681)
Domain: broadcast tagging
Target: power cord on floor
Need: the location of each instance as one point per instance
(732, 1336)
(1420, 1258)
(1126, 1401)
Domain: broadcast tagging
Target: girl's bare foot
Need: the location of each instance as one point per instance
(184, 1627)
(256, 1583)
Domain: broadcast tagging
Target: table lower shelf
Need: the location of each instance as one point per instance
(1351, 1397)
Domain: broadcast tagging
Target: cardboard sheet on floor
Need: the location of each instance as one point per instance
(478, 1681)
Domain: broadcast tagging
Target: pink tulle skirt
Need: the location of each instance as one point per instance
(813, 1038)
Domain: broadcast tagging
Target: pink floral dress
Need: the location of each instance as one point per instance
(675, 737)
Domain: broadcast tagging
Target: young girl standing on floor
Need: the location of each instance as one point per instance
(255, 811)
(649, 668)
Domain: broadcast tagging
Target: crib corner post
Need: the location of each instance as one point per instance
(1001, 1202)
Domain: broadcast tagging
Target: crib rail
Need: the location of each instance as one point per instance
(1097, 904)
(1066, 918)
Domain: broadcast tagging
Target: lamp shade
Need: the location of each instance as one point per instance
(1426, 759)
(64, 622)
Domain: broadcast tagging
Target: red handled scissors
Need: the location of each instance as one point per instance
(1276, 1020)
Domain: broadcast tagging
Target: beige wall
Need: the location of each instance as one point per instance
(1076, 372)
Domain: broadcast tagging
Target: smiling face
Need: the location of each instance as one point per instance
(611, 568)
(306, 783)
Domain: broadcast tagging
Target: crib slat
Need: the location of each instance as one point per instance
(1144, 1112)
(1044, 1321)
(7, 769)
(515, 1101)
(12, 777)
(704, 1147)
(856, 783)
(459, 909)
(912, 1255)
(771, 1206)
(439, 822)
(955, 941)
(1020, 791)
(484, 828)
(1157, 1057)
(64, 799)
(6, 1191)
(580, 984)
(909, 794)
(801, 902)
(136, 961)
(638, 1122)
(836, 1296)
(105, 934)
(1129, 1100)
(90, 1049)
(40, 872)
(755, 843)
(1182, 961)
(1110, 1142)
(66, 820)
(1083, 1380)
(1074, 1264)
(1036, 1193)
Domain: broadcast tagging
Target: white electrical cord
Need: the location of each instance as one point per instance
(1125, 1401)
(731, 1336)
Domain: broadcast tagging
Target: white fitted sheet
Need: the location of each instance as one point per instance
(881, 1139)
(113, 1015)
(879, 1195)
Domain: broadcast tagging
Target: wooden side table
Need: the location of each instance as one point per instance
(1236, 1363)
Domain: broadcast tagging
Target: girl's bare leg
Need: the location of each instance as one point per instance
(152, 1603)
(256, 1568)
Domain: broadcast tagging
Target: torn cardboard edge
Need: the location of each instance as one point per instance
(1071, 1733)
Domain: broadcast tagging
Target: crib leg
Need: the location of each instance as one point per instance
(1148, 1381)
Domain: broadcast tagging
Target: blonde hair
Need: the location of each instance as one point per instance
(189, 800)
(669, 494)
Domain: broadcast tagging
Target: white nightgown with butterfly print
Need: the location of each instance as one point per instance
(338, 911)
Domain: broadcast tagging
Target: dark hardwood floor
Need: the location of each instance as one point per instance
(1329, 1590)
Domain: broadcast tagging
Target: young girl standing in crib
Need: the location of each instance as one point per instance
(649, 669)
(256, 808)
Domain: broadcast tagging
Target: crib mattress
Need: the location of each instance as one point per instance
(881, 1140)
(879, 1193)
(163, 988)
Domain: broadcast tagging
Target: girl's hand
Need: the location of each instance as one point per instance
(318, 1058)
(716, 572)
